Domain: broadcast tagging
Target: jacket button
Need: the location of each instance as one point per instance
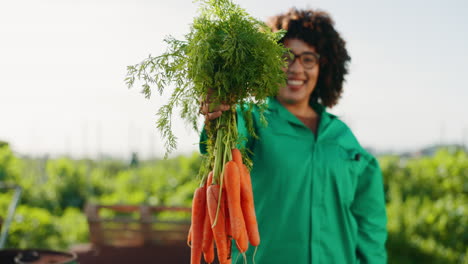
(357, 157)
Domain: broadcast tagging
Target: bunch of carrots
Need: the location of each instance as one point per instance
(222, 59)
(223, 213)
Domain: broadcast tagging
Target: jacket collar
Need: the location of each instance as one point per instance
(325, 118)
(275, 106)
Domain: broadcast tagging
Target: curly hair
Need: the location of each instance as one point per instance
(316, 29)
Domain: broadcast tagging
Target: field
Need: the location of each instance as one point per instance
(427, 199)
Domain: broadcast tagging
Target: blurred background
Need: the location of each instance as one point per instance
(72, 134)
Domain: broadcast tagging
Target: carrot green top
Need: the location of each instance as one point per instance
(318, 198)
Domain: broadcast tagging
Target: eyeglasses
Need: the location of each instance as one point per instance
(308, 59)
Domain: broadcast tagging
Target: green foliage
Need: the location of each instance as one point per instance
(66, 184)
(228, 55)
(427, 199)
(38, 228)
(165, 182)
(54, 191)
(54, 184)
(427, 206)
(10, 166)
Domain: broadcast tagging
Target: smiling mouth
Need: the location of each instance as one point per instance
(295, 82)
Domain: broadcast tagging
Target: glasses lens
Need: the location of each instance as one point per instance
(308, 60)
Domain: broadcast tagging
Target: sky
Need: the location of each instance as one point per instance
(63, 64)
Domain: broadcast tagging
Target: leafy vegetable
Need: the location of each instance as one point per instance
(227, 53)
(227, 58)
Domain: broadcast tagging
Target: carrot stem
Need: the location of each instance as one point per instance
(237, 256)
(253, 256)
(218, 157)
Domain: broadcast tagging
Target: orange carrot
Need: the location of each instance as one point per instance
(229, 244)
(248, 208)
(232, 182)
(209, 180)
(227, 261)
(228, 226)
(219, 230)
(198, 217)
(209, 253)
(228, 221)
(243, 243)
(189, 237)
(207, 234)
(207, 244)
(237, 157)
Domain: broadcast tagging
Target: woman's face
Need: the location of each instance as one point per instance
(301, 81)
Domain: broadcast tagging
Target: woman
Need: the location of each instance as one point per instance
(318, 194)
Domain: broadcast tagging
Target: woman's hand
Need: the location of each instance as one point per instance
(211, 111)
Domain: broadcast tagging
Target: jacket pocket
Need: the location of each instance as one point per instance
(349, 160)
(338, 168)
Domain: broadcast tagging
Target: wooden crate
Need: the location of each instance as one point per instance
(137, 226)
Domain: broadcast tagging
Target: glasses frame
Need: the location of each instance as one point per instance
(291, 58)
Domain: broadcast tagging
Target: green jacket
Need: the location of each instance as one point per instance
(318, 198)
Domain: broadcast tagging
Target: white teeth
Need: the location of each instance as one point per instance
(295, 82)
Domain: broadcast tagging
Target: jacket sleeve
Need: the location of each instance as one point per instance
(202, 144)
(368, 208)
